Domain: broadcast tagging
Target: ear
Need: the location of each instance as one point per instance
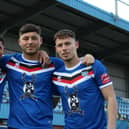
(41, 40)
(77, 44)
(19, 42)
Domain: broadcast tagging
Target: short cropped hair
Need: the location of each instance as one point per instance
(2, 40)
(29, 28)
(64, 33)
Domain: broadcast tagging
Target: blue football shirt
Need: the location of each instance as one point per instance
(30, 89)
(82, 100)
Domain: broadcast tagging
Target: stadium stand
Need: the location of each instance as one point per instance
(123, 108)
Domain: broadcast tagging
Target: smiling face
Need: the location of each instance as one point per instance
(30, 43)
(66, 48)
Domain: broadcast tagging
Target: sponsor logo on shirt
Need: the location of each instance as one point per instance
(105, 78)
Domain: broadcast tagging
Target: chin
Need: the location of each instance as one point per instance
(31, 53)
(67, 59)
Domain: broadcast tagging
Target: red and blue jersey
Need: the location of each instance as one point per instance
(2, 83)
(80, 90)
(30, 89)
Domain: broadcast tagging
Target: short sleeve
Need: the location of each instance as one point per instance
(102, 77)
(5, 58)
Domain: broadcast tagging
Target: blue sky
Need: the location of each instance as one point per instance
(109, 5)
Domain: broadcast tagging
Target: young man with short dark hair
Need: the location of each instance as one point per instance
(83, 89)
(30, 85)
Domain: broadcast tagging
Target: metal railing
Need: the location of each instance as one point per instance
(116, 7)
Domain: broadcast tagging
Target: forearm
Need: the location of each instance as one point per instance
(112, 113)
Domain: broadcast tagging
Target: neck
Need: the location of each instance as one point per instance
(31, 56)
(71, 63)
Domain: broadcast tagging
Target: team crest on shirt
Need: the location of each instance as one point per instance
(73, 101)
(28, 87)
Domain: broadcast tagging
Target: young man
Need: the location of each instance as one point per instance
(83, 89)
(30, 85)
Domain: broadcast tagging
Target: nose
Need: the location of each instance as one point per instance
(64, 46)
(30, 40)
